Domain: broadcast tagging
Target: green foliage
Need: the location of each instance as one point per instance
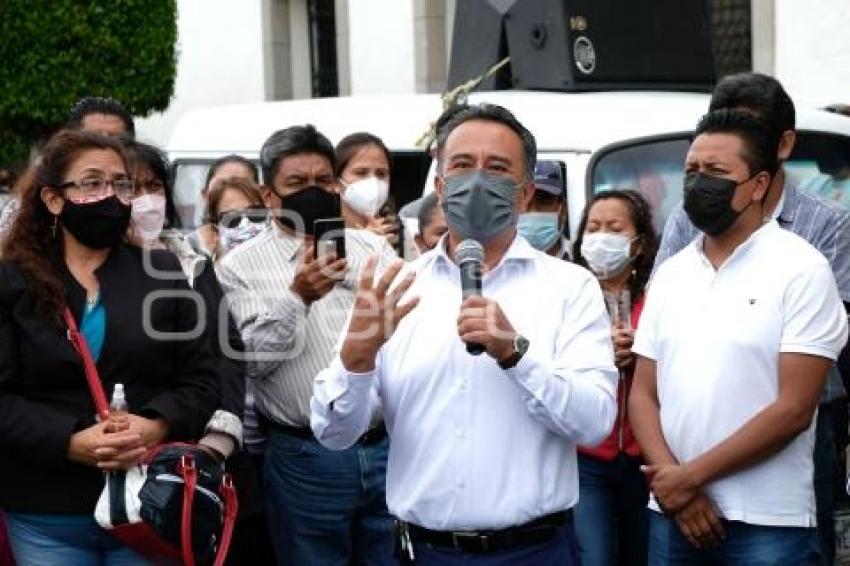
(54, 52)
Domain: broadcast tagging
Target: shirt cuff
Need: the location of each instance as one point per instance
(342, 381)
(227, 423)
(810, 349)
(529, 373)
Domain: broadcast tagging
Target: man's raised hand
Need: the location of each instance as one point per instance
(375, 315)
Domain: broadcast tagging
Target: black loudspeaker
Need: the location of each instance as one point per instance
(479, 34)
(575, 45)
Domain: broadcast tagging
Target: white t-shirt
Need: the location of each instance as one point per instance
(716, 337)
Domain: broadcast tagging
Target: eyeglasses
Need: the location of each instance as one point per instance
(233, 218)
(97, 187)
(150, 187)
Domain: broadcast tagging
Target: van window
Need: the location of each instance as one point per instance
(820, 164)
(189, 178)
(409, 172)
(652, 167)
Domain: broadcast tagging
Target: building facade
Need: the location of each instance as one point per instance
(239, 51)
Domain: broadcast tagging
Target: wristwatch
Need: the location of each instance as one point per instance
(521, 344)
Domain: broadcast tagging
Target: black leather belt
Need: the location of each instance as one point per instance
(371, 436)
(538, 531)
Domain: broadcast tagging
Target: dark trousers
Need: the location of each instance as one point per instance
(562, 550)
(611, 517)
(251, 542)
(830, 440)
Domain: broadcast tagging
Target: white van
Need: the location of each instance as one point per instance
(603, 140)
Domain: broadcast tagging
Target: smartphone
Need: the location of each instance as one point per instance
(329, 234)
(387, 210)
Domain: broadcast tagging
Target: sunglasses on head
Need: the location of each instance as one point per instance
(233, 218)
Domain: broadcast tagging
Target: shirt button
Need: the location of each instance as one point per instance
(459, 432)
(460, 483)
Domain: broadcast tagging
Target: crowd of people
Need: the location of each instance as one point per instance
(624, 398)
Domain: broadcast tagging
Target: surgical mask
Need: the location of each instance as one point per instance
(478, 205)
(310, 204)
(607, 254)
(147, 217)
(539, 228)
(366, 196)
(708, 202)
(98, 225)
(241, 233)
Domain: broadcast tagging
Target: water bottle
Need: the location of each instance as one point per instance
(118, 409)
(118, 404)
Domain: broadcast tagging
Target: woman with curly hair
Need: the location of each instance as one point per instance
(66, 250)
(617, 242)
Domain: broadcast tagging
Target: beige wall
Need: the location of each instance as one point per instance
(429, 29)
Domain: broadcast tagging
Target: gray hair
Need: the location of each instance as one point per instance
(491, 113)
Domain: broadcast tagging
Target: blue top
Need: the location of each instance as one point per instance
(93, 325)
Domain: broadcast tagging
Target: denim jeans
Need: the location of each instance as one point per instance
(562, 550)
(611, 517)
(327, 507)
(745, 544)
(69, 540)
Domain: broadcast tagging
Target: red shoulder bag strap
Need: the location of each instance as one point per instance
(82, 348)
(190, 479)
(189, 474)
(231, 508)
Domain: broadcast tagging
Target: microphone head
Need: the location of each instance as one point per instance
(469, 250)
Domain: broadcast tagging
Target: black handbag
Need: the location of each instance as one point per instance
(177, 505)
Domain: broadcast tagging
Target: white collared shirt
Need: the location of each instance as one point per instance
(287, 342)
(473, 446)
(716, 337)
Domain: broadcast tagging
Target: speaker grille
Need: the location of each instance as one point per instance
(732, 43)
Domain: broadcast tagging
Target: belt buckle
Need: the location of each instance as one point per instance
(483, 540)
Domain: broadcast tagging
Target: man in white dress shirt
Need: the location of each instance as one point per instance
(482, 463)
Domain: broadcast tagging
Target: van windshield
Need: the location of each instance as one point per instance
(189, 179)
(820, 164)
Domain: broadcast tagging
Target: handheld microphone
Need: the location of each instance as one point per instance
(469, 257)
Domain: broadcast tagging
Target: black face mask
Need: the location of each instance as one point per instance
(311, 204)
(98, 225)
(708, 202)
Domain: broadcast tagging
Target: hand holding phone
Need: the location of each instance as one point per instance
(316, 278)
(329, 237)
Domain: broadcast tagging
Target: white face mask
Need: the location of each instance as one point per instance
(607, 254)
(366, 196)
(232, 237)
(147, 217)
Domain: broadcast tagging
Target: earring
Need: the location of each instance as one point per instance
(54, 227)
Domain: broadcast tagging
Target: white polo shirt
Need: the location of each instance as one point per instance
(716, 337)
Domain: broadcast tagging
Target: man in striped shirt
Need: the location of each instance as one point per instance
(324, 507)
(823, 224)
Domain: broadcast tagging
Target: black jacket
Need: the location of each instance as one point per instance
(44, 396)
(231, 367)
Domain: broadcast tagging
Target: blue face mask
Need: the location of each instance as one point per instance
(540, 229)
